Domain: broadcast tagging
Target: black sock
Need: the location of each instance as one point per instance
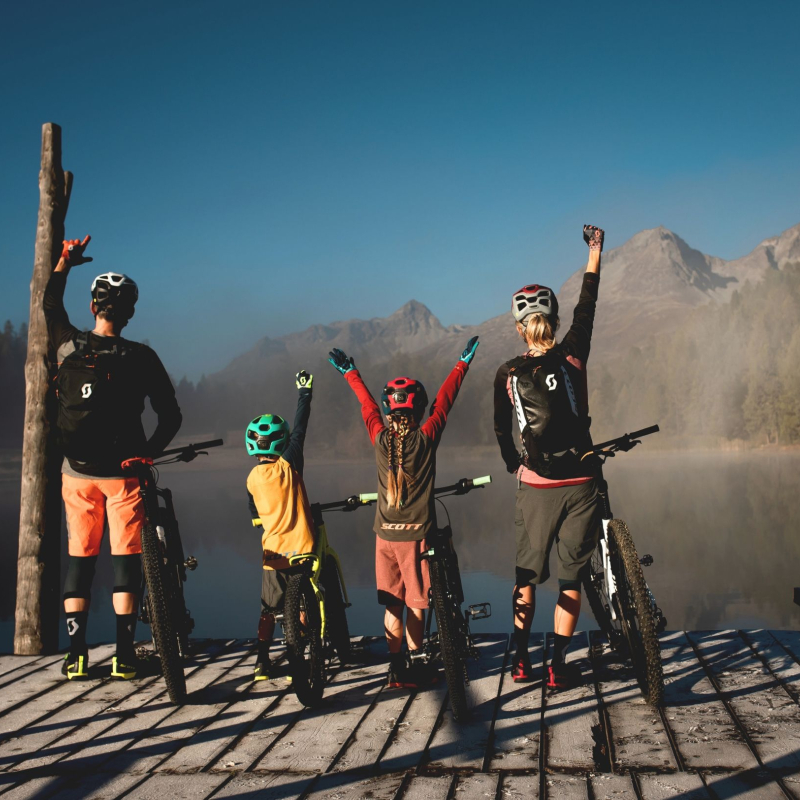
(76, 628)
(263, 652)
(521, 641)
(560, 646)
(397, 660)
(126, 628)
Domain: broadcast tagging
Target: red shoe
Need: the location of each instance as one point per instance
(521, 669)
(564, 676)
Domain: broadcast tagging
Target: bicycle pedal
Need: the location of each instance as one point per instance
(646, 560)
(480, 610)
(190, 563)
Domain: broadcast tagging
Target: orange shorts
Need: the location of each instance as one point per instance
(402, 576)
(89, 501)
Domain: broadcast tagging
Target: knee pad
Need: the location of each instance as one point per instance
(80, 574)
(569, 586)
(127, 573)
(266, 626)
(525, 577)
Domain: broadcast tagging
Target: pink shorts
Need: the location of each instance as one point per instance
(401, 574)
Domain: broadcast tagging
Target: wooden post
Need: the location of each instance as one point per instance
(38, 564)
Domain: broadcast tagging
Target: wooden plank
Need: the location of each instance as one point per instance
(96, 786)
(637, 732)
(374, 731)
(176, 787)
(319, 735)
(685, 785)
(21, 665)
(37, 684)
(571, 715)
(422, 787)
(456, 746)
(517, 728)
(130, 728)
(790, 640)
(346, 786)
(478, 786)
(780, 662)
(748, 785)
(612, 787)
(566, 787)
(704, 732)
(275, 786)
(765, 709)
(207, 701)
(250, 701)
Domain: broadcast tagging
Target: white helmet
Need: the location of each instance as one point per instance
(112, 286)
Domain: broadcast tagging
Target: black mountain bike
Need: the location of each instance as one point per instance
(620, 599)
(164, 566)
(451, 643)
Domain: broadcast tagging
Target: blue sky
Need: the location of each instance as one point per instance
(259, 167)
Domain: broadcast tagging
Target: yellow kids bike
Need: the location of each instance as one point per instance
(314, 618)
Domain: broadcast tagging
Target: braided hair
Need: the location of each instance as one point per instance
(399, 481)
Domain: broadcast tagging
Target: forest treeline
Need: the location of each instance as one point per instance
(727, 374)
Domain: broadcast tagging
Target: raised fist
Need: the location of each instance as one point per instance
(73, 251)
(341, 360)
(304, 379)
(593, 237)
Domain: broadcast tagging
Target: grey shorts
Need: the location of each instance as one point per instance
(273, 590)
(566, 515)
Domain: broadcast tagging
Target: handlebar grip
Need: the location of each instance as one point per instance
(370, 497)
(645, 432)
(482, 481)
(206, 445)
(257, 523)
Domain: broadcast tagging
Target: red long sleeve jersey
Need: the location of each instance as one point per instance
(415, 518)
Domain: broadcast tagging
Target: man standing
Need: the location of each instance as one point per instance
(102, 384)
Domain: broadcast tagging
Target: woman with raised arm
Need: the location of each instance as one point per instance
(545, 388)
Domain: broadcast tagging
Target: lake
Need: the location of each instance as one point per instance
(722, 528)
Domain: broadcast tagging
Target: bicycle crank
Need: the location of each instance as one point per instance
(646, 560)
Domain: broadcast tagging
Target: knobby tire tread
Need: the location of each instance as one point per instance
(308, 672)
(596, 602)
(164, 636)
(649, 673)
(448, 644)
(336, 612)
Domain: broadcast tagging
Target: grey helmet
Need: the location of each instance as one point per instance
(533, 299)
(112, 286)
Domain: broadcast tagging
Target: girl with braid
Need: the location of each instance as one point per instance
(405, 452)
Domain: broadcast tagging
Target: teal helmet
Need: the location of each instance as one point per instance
(267, 435)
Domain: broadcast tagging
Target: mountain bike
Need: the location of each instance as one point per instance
(164, 566)
(314, 618)
(620, 599)
(452, 642)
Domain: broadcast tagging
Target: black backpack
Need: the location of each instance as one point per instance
(91, 396)
(554, 431)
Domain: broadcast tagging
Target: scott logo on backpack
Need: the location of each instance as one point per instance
(552, 427)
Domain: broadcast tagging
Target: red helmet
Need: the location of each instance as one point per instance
(533, 299)
(404, 396)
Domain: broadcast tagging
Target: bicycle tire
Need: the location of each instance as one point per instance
(636, 611)
(593, 580)
(447, 625)
(304, 648)
(161, 625)
(336, 611)
(180, 614)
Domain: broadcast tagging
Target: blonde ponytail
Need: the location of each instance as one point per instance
(539, 332)
(398, 481)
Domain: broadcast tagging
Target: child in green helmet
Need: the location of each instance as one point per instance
(279, 505)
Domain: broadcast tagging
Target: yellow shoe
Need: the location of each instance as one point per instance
(75, 667)
(261, 672)
(123, 671)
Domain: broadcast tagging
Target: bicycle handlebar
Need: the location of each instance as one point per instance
(191, 448)
(357, 500)
(624, 443)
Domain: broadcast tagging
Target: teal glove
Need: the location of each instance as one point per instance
(341, 360)
(469, 350)
(304, 379)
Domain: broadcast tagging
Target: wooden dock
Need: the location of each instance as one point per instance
(730, 728)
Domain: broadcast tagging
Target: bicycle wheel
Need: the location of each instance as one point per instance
(159, 600)
(594, 585)
(179, 614)
(302, 626)
(450, 631)
(636, 614)
(336, 611)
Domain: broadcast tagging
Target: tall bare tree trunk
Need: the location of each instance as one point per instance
(38, 563)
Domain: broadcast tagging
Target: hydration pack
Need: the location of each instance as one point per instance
(552, 426)
(91, 396)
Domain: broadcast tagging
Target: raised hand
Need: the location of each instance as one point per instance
(594, 237)
(341, 360)
(304, 379)
(73, 251)
(469, 350)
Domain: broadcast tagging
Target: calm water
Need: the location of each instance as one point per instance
(722, 529)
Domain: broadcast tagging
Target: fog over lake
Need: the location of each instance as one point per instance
(722, 528)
